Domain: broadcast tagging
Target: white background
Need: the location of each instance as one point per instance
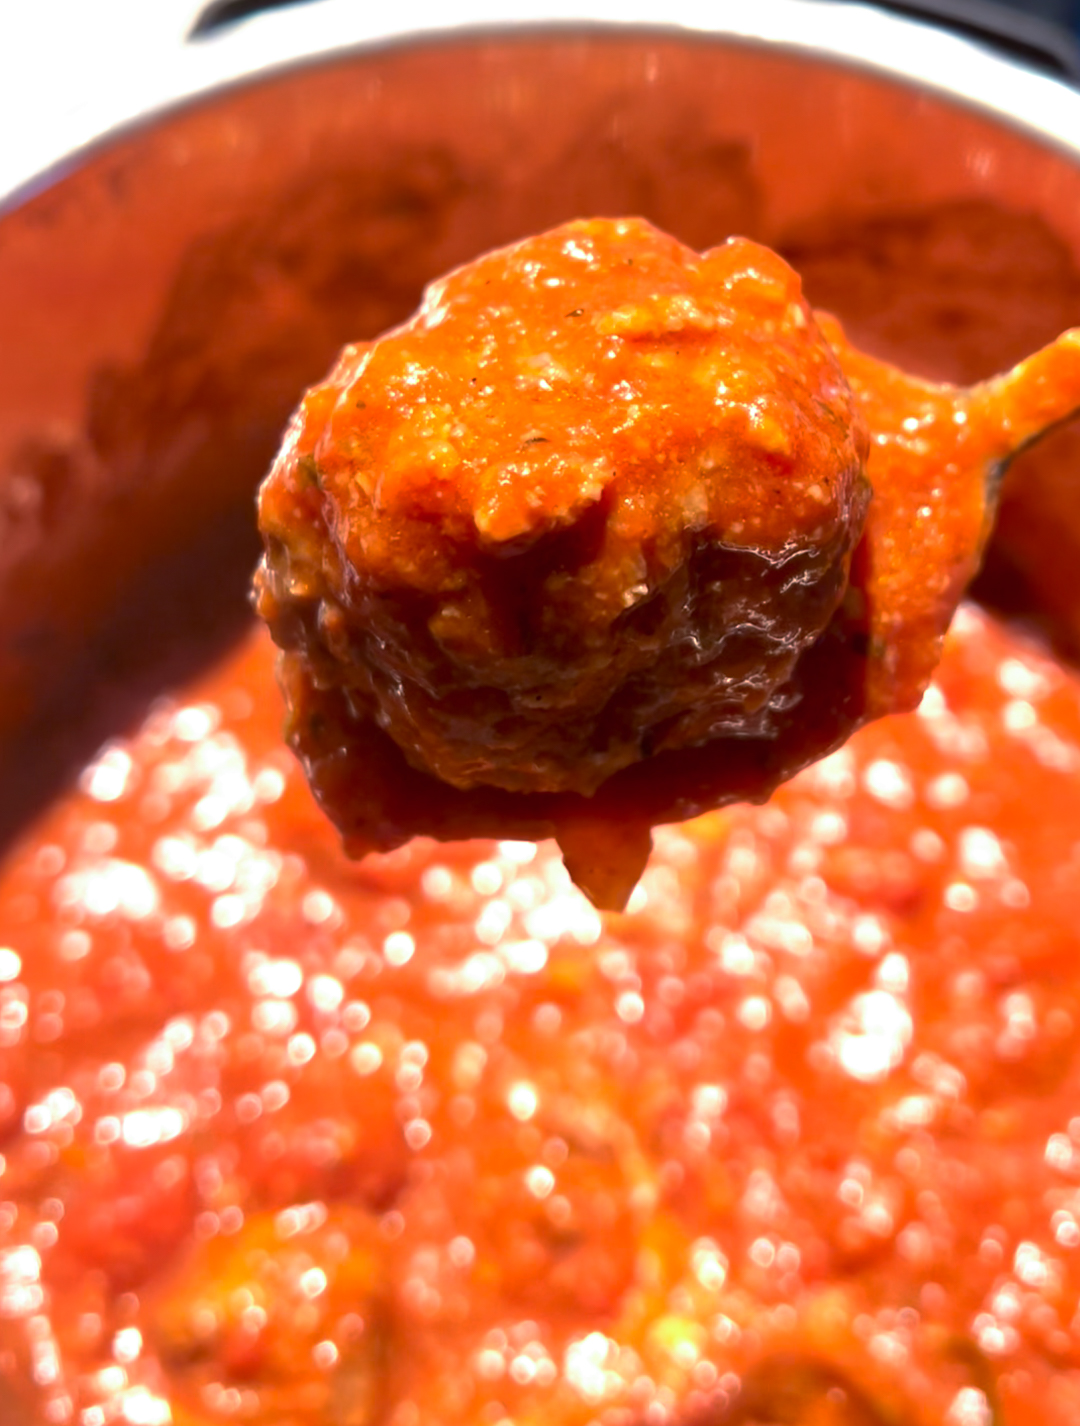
(73, 69)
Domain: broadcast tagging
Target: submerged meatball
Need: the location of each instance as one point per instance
(590, 504)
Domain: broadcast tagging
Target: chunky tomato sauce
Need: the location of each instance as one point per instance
(585, 545)
(426, 1139)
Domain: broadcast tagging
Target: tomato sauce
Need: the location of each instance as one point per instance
(425, 1139)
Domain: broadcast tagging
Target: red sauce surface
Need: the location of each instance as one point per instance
(426, 1139)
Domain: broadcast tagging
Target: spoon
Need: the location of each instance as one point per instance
(792, 610)
(938, 458)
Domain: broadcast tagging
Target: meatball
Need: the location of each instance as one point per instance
(589, 505)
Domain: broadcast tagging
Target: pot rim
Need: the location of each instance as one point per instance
(173, 72)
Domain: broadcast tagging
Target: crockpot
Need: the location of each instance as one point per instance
(198, 243)
(210, 225)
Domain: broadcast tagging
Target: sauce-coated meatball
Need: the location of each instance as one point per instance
(590, 503)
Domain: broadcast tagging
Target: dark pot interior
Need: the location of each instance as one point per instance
(167, 300)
